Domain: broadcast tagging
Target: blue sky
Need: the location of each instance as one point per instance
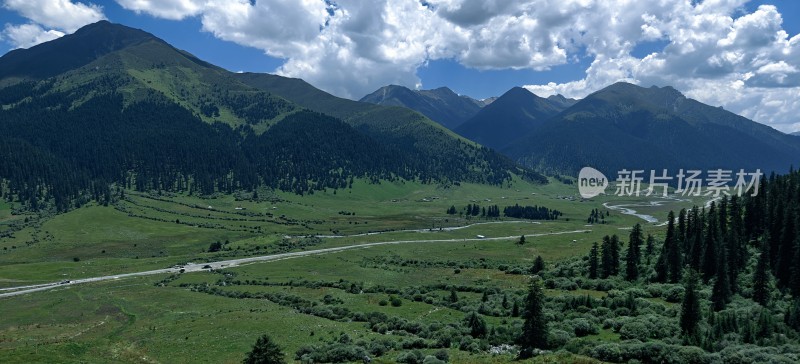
(476, 49)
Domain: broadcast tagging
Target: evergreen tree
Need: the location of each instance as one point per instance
(761, 276)
(672, 250)
(792, 318)
(732, 248)
(633, 255)
(515, 309)
(476, 325)
(695, 252)
(683, 242)
(538, 265)
(453, 296)
(788, 248)
(265, 351)
(593, 261)
(710, 244)
(615, 248)
(534, 329)
(690, 310)
(721, 292)
(609, 258)
(794, 284)
(649, 248)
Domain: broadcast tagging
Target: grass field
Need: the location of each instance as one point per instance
(142, 320)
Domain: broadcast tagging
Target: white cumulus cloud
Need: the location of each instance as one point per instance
(49, 19)
(65, 15)
(28, 35)
(713, 50)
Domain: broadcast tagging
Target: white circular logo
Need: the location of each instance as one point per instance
(591, 182)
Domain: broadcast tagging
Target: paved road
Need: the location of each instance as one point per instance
(191, 267)
(426, 230)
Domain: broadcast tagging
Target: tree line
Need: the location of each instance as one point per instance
(59, 148)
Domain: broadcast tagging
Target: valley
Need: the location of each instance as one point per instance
(157, 208)
(135, 243)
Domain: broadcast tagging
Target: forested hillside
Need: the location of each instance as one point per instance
(135, 112)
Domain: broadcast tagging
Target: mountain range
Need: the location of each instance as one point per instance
(112, 105)
(628, 126)
(441, 105)
(625, 126)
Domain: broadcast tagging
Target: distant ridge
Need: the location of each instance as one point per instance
(628, 126)
(112, 105)
(515, 113)
(441, 105)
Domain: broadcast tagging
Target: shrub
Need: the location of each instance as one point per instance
(557, 338)
(430, 359)
(442, 355)
(583, 327)
(674, 294)
(634, 329)
(411, 357)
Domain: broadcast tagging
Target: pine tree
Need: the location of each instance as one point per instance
(453, 296)
(615, 248)
(265, 351)
(788, 237)
(672, 250)
(476, 324)
(732, 247)
(683, 242)
(690, 310)
(793, 316)
(721, 292)
(661, 267)
(633, 255)
(534, 329)
(710, 244)
(794, 283)
(609, 258)
(605, 258)
(761, 276)
(593, 263)
(538, 265)
(649, 248)
(515, 309)
(696, 239)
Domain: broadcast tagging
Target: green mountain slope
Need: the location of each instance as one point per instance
(442, 151)
(441, 105)
(138, 112)
(516, 112)
(627, 126)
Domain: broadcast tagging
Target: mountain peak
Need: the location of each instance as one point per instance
(441, 104)
(516, 112)
(71, 51)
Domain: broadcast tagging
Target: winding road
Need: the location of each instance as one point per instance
(197, 267)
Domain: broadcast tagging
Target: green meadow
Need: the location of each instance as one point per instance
(163, 318)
